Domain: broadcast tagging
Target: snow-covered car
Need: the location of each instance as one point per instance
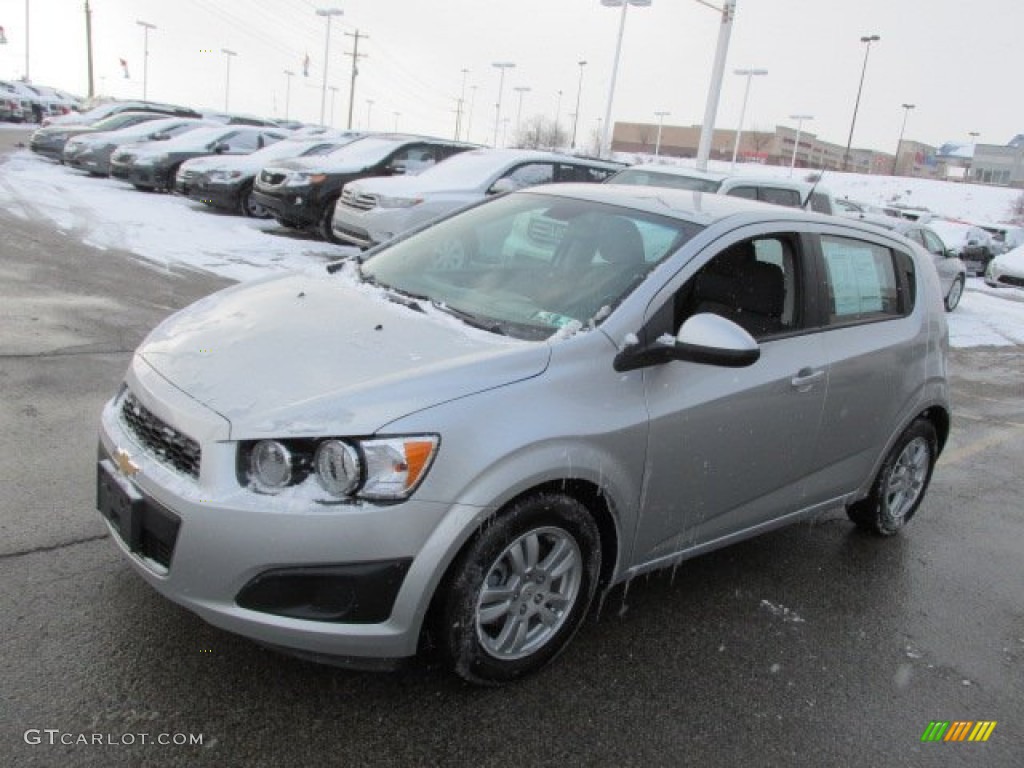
(225, 182)
(50, 140)
(153, 165)
(91, 151)
(1005, 237)
(951, 269)
(787, 192)
(972, 244)
(374, 210)
(302, 192)
(113, 107)
(1006, 270)
(393, 452)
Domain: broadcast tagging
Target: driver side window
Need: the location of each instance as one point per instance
(755, 283)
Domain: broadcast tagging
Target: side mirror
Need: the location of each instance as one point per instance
(703, 338)
(159, 137)
(972, 243)
(398, 169)
(501, 186)
(221, 148)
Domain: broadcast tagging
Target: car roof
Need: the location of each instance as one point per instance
(678, 170)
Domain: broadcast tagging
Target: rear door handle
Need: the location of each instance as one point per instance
(807, 378)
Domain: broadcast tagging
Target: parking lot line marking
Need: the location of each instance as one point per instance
(986, 420)
(966, 451)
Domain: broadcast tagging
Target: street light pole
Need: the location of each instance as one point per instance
(462, 106)
(334, 92)
(579, 92)
(521, 89)
(369, 113)
(796, 144)
(558, 116)
(227, 82)
(868, 40)
(749, 74)
(661, 119)
(287, 91)
(899, 144)
(707, 129)
(501, 66)
(328, 13)
(397, 115)
(606, 130)
(145, 55)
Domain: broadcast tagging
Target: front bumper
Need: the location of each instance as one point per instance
(298, 205)
(53, 149)
(224, 196)
(89, 160)
(282, 570)
(368, 228)
(150, 176)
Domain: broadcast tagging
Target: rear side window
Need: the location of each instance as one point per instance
(865, 281)
(776, 196)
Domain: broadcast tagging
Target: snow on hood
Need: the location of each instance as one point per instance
(314, 354)
(1012, 260)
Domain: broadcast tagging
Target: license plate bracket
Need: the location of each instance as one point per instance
(119, 502)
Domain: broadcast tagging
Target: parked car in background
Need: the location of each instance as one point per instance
(17, 101)
(113, 107)
(225, 182)
(374, 210)
(1006, 270)
(302, 192)
(951, 269)
(154, 165)
(972, 244)
(1005, 237)
(230, 118)
(50, 141)
(340, 464)
(787, 192)
(92, 151)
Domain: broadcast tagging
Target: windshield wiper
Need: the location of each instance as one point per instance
(476, 321)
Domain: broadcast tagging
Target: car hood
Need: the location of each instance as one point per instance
(321, 163)
(315, 354)
(206, 163)
(1012, 261)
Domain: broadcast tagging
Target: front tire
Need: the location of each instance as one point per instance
(323, 227)
(249, 207)
(900, 484)
(520, 591)
(956, 290)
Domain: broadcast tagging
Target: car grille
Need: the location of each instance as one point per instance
(166, 444)
(271, 178)
(360, 202)
(1011, 280)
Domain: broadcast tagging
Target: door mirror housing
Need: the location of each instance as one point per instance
(704, 338)
(502, 185)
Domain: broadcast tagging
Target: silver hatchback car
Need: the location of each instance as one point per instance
(607, 381)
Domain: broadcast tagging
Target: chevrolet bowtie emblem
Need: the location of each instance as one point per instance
(124, 462)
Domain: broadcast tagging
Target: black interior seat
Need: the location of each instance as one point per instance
(738, 287)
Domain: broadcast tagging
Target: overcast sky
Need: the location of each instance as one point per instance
(956, 61)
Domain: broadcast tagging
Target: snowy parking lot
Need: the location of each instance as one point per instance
(167, 230)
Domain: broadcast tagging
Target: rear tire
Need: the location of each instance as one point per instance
(900, 484)
(520, 591)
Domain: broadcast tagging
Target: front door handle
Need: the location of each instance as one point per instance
(807, 378)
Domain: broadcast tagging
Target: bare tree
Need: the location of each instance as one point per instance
(539, 132)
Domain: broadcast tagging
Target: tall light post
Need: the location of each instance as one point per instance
(334, 92)
(558, 117)
(707, 129)
(287, 91)
(796, 144)
(27, 78)
(606, 131)
(227, 81)
(146, 26)
(749, 74)
(462, 105)
(369, 113)
(521, 90)
(397, 115)
(501, 66)
(328, 13)
(579, 93)
(867, 40)
(661, 119)
(899, 144)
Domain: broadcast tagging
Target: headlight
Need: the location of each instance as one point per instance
(398, 202)
(382, 469)
(270, 465)
(151, 160)
(223, 175)
(305, 179)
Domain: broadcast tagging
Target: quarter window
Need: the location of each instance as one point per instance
(862, 281)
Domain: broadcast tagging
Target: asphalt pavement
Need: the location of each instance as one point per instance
(816, 645)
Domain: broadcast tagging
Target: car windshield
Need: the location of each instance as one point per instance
(114, 122)
(528, 265)
(647, 178)
(364, 151)
(200, 138)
